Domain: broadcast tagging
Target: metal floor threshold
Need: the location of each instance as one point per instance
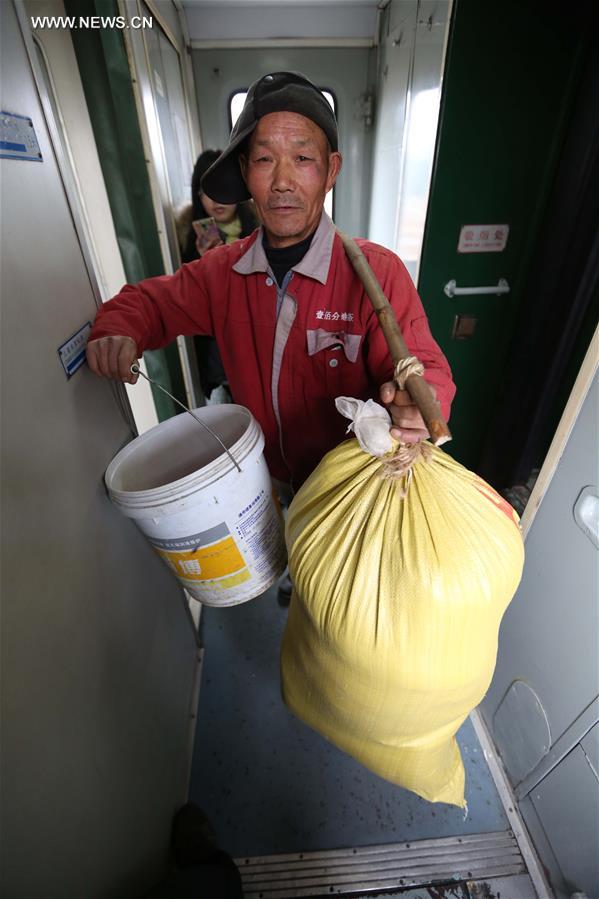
(387, 867)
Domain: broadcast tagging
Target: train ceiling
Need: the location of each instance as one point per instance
(271, 20)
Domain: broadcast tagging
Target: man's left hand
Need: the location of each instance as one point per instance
(408, 424)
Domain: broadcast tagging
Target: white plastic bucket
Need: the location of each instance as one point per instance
(219, 529)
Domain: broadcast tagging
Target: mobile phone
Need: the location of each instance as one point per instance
(206, 229)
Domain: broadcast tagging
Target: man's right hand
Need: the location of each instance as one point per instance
(112, 357)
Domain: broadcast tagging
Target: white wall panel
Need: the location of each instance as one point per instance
(98, 655)
(548, 636)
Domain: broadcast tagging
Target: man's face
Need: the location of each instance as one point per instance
(288, 171)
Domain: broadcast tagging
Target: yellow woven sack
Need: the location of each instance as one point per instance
(392, 632)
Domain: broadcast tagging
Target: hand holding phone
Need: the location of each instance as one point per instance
(208, 235)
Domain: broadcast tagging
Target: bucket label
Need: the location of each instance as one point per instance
(231, 561)
(201, 562)
(193, 541)
(259, 527)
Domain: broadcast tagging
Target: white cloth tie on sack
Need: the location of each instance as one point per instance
(370, 422)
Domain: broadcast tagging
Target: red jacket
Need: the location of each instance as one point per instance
(287, 369)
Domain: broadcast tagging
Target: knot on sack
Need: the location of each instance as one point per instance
(411, 365)
(401, 462)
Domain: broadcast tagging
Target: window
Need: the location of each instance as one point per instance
(418, 157)
(235, 107)
(169, 93)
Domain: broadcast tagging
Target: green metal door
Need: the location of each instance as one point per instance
(511, 71)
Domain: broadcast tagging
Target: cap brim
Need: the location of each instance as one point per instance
(223, 181)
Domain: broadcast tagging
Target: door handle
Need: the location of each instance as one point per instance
(452, 289)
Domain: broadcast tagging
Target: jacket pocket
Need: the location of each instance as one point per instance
(333, 355)
(320, 339)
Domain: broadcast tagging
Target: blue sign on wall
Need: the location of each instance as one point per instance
(72, 351)
(17, 138)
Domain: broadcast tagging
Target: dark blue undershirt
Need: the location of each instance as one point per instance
(282, 259)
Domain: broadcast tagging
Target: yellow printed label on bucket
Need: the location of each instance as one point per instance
(207, 562)
(233, 581)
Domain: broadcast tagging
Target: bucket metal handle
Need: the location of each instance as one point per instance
(136, 370)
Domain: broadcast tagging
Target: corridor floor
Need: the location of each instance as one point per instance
(270, 785)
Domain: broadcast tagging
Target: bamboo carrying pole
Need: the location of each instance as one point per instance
(415, 384)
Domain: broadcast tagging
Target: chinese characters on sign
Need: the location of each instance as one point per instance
(190, 566)
(17, 137)
(72, 351)
(483, 238)
(328, 316)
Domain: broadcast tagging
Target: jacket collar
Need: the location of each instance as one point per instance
(315, 264)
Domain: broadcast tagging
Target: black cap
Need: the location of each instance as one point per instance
(278, 92)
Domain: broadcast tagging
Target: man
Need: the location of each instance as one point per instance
(290, 317)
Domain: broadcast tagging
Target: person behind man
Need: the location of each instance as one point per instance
(293, 324)
(233, 220)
